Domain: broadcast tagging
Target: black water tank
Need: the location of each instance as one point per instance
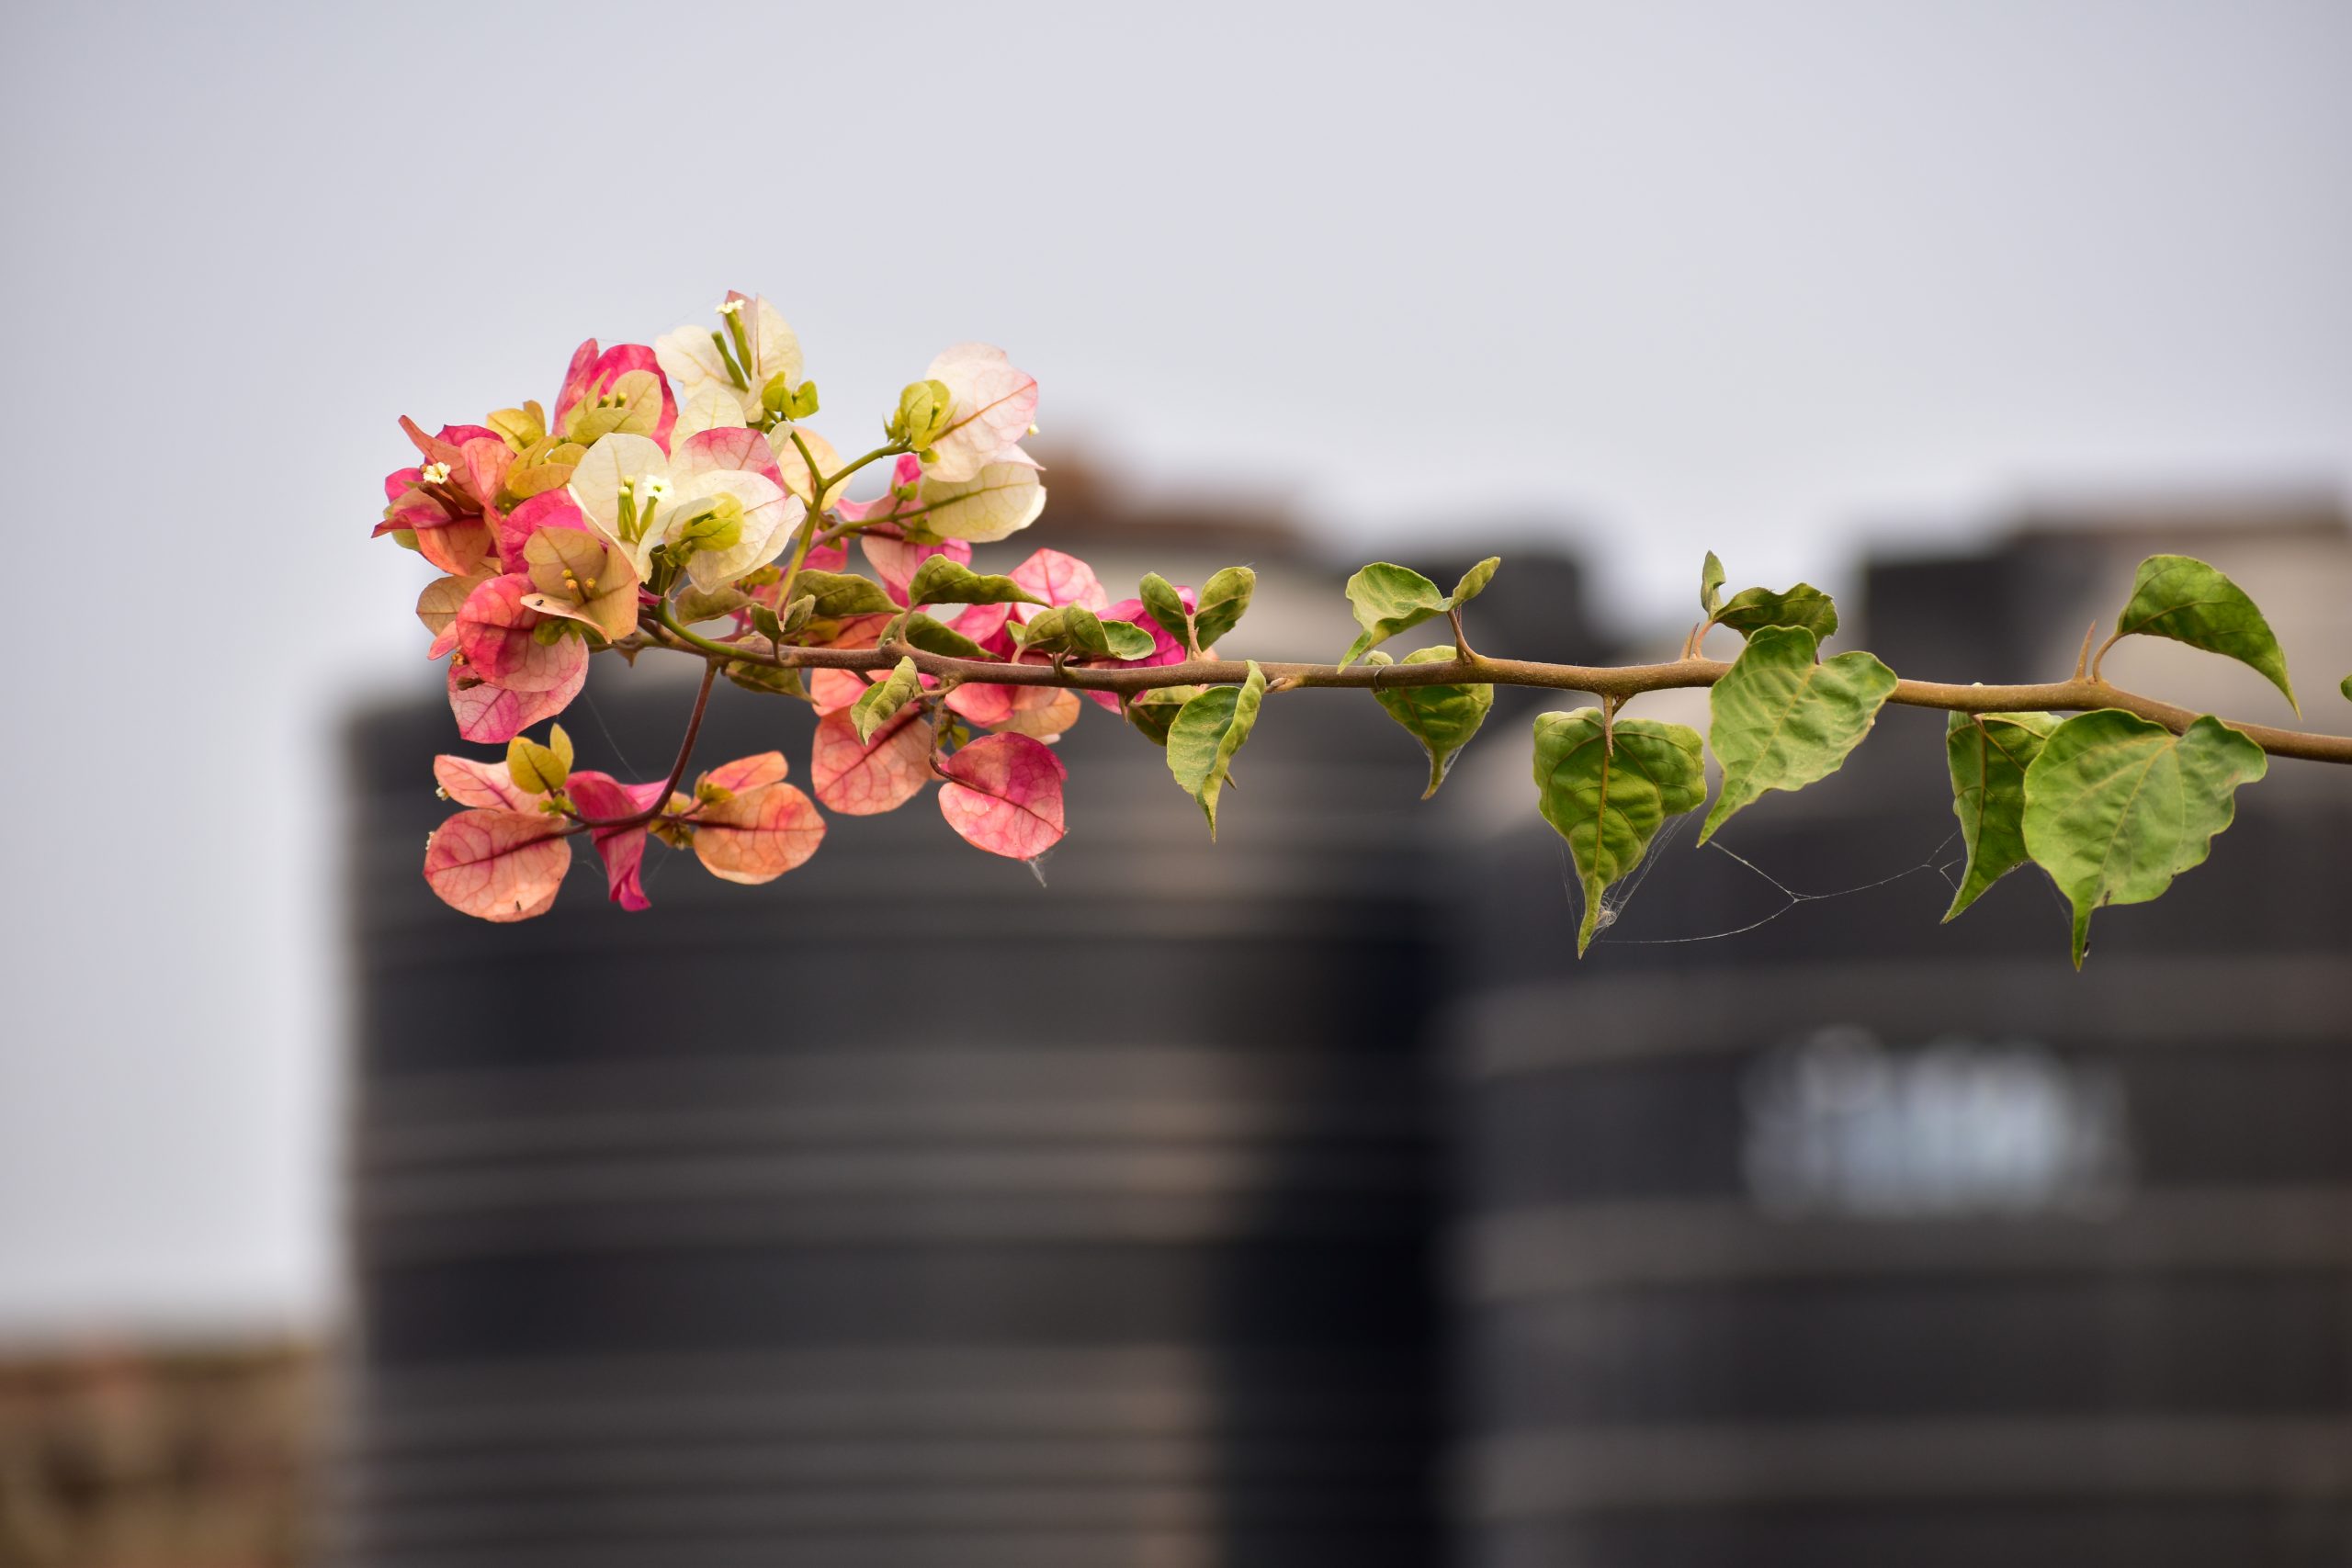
(1085, 1224)
(1854, 1240)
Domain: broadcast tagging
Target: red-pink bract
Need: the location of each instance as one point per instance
(1004, 794)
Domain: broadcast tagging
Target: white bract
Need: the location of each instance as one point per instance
(733, 520)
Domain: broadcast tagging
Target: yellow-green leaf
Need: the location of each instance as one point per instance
(1989, 753)
(1222, 602)
(939, 580)
(1751, 610)
(1782, 721)
(2116, 805)
(1443, 718)
(1388, 599)
(2187, 601)
(881, 702)
(1206, 733)
(1609, 800)
(842, 594)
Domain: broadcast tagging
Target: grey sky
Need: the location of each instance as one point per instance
(1774, 280)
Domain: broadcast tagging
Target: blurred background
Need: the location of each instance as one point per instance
(1298, 1201)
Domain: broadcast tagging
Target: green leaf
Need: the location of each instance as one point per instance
(1127, 641)
(939, 580)
(839, 593)
(2346, 688)
(1154, 710)
(1989, 753)
(708, 604)
(1753, 609)
(1781, 721)
(881, 702)
(1206, 733)
(1609, 801)
(1166, 606)
(1711, 585)
(2184, 599)
(1222, 602)
(1074, 628)
(1387, 600)
(932, 638)
(1443, 718)
(2116, 805)
(766, 679)
(1474, 583)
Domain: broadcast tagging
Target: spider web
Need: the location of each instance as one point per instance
(1613, 899)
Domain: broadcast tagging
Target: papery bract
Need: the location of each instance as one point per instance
(794, 468)
(994, 404)
(882, 774)
(698, 365)
(602, 797)
(437, 607)
(594, 375)
(497, 632)
(637, 497)
(762, 829)
(1004, 793)
(489, 785)
(746, 774)
(1059, 579)
(500, 865)
(548, 509)
(492, 714)
(580, 575)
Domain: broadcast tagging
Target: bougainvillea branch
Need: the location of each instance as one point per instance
(678, 485)
(1620, 681)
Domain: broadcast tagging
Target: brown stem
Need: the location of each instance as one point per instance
(677, 769)
(1619, 681)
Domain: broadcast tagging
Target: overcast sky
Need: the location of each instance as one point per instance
(1777, 279)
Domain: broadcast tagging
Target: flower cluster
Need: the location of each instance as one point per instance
(676, 498)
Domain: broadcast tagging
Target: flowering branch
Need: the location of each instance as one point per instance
(677, 483)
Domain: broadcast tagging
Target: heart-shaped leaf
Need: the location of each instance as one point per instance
(1753, 609)
(1388, 599)
(1989, 753)
(2184, 599)
(1782, 721)
(1443, 718)
(2116, 805)
(1608, 798)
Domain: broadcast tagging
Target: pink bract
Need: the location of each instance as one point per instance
(866, 779)
(1004, 794)
(500, 865)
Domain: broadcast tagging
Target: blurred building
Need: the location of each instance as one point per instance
(906, 1212)
(158, 1459)
(1853, 1239)
(1132, 1220)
